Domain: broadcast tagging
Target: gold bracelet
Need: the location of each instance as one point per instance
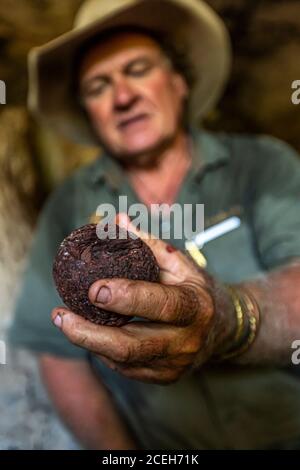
(239, 314)
(239, 334)
(252, 330)
(253, 319)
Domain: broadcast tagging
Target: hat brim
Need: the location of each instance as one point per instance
(190, 23)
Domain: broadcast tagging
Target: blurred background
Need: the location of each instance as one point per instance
(33, 160)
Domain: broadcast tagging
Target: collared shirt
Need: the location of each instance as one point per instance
(254, 178)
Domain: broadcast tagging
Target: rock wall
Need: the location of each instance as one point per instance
(19, 196)
(266, 43)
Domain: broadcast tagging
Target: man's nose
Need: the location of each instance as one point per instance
(124, 94)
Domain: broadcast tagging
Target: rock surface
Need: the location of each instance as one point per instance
(83, 258)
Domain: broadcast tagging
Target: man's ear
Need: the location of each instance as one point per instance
(181, 86)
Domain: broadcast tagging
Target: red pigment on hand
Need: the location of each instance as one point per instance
(171, 248)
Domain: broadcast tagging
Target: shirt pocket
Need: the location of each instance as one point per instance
(232, 257)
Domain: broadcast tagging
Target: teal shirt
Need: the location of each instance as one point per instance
(254, 178)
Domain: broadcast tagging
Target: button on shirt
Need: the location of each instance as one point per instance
(256, 179)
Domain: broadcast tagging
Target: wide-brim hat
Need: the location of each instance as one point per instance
(192, 24)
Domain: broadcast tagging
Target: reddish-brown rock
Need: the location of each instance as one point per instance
(83, 258)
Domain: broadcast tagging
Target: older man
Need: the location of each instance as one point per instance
(135, 98)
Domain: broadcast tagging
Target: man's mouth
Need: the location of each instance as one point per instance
(125, 123)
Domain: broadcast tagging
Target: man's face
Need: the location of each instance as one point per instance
(132, 95)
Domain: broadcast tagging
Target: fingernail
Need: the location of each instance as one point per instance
(58, 321)
(104, 295)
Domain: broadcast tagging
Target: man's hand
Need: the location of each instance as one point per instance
(184, 313)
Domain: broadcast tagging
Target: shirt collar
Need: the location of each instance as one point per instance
(208, 152)
(108, 169)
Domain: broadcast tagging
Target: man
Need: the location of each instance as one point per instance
(202, 334)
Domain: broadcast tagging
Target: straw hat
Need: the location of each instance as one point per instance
(190, 23)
